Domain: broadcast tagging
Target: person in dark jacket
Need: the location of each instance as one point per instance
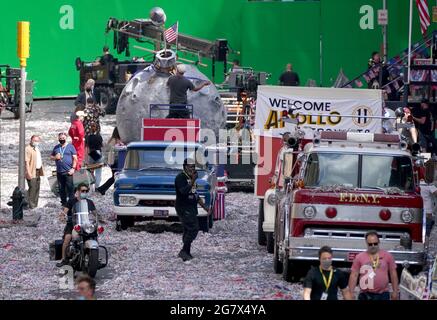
(89, 92)
(187, 199)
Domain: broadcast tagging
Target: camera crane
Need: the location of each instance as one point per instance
(146, 31)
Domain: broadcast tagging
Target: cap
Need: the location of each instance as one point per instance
(181, 68)
(80, 113)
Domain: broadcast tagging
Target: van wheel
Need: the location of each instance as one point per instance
(270, 242)
(261, 235)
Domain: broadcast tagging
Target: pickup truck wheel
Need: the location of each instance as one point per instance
(277, 264)
(124, 222)
(261, 235)
(211, 220)
(270, 242)
(203, 224)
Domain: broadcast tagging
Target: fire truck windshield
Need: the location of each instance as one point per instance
(359, 171)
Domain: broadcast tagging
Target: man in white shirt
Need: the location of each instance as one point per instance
(428, 191)
(34, 170)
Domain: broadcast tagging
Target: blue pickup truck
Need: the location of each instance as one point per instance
(144, 189)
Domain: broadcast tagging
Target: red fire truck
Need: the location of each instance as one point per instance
(338, 186)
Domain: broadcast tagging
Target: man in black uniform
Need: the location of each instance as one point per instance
(424, 123)
(322, 283)
(186, 206)
(67, 215)
(179, 85)
(289, 77)
(107, 58)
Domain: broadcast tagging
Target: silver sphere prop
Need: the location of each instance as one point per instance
(149, 86)
(158, 16)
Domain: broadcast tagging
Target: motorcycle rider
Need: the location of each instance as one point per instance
(66, 215)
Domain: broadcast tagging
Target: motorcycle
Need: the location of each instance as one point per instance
(84, 251)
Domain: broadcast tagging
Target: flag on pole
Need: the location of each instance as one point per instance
(171, 34)
(425, 21)
(358, 83)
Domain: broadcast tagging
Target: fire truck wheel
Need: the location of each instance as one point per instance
(277, 264)
(288, 269)
(270, 242)
(262, 241)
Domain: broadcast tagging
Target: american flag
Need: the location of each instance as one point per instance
(425, 21)
(171, 34)
(219, 206)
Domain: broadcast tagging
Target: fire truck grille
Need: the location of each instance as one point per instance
(350, 234)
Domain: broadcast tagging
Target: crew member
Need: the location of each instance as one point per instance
(107, 58)
(179, 85)
(322, 283)
(82, 98)
(374, 268)
(187, 199)
(34, 170)
(289, 77)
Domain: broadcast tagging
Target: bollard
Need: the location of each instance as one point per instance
(17, 203)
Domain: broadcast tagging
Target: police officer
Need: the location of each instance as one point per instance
(186, 206)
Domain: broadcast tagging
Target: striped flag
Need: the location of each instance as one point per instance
(358, 83)
(425, 21)
(219, 206)
(171, 34)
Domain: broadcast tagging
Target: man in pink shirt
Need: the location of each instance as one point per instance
(373, 269)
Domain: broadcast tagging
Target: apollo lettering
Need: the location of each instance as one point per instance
(360, 198)
(274, 119)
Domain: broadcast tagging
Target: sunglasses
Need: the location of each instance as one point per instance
(373, 244)
(84, 191)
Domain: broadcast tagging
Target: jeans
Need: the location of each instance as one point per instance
(66, 187)
(97, 172)
(425, 140)
(374, 296)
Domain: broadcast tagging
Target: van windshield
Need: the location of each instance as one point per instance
(362, 171)
(162, 158)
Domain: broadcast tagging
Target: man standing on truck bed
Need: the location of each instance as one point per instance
(179, 85)
(186, 206)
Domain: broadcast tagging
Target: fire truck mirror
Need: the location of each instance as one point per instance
(287, 165)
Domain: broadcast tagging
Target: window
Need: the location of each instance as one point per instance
(325, 169)
(386, 172)
(162, 158)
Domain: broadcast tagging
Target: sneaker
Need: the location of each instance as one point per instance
(184, 256)
(62, 263)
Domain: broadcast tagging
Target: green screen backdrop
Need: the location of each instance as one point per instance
(317, 37)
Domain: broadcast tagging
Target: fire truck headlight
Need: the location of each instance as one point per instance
(271, 200)
(309, 212)
(406, 216)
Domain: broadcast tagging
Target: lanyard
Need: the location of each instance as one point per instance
(62, 151)
(327, 282)
(375, 263)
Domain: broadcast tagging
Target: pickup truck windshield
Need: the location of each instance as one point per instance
(363, 171)
(159, 158)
